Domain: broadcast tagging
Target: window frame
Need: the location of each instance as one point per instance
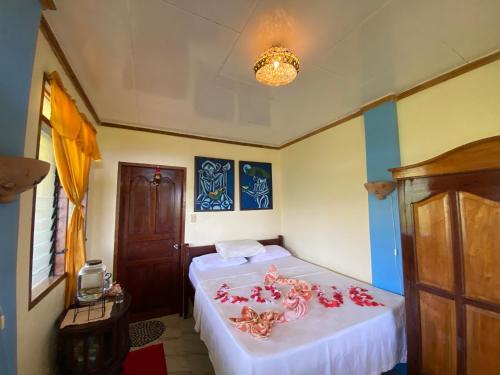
(37, 294)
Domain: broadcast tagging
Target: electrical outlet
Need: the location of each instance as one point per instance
(2, 322)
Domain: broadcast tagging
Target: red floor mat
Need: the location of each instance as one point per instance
(146, 361)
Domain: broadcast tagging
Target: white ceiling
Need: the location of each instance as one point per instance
(186, 65)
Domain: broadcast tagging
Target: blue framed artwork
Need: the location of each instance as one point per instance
(256, 186)
(214, 184)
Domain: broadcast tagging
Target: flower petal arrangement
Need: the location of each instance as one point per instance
(296, 302)
(337, 298)
(223, 296)
(257, 294)
(361, 298)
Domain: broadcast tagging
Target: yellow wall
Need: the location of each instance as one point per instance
(455, 112)
(324, 203)
(35, 328)
(140, 147)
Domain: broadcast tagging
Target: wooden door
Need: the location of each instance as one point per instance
(149, 234)
(450, 223)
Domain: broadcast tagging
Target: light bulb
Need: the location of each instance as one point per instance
(276, 64)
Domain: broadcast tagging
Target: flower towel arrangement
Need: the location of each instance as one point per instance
(258, 325)
(296, 304)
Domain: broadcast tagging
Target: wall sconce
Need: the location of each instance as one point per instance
(380, 189)
(18, 174)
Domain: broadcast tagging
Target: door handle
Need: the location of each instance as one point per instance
(176, 246)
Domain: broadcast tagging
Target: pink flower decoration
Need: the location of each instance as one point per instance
(258, 325)
(361, 298)
(257, 294)
(223, 296)
(336, 301)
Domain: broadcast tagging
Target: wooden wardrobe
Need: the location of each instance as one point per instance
(450, 228)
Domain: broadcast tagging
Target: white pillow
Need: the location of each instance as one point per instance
(239, 248)
(214, 260)
(272, 252)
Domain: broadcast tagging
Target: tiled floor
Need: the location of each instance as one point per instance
(185, 353)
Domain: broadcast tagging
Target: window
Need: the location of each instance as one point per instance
(50, 216)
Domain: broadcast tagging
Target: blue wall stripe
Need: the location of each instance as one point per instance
(382, 152)
(19, 21)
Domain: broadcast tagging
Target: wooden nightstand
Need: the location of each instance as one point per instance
(95, 348)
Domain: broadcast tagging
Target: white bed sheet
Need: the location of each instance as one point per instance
(350, 340)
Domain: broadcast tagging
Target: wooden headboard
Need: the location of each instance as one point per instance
(190, 252)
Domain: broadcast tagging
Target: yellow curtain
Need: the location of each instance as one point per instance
(74, 142)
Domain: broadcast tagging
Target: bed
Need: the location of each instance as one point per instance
(348, 340)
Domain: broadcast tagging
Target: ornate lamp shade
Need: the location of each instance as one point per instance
(276, 67)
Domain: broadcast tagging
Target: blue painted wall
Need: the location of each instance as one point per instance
(382, 152)
(19, 20)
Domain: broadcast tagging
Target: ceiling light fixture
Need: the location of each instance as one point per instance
(276, 67)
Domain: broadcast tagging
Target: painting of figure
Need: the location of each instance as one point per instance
(256, 186)
(214, 184)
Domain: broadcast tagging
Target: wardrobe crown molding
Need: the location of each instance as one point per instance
(480, 155)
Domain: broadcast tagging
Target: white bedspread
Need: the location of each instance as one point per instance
(349, 340)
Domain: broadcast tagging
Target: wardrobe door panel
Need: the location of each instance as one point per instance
(483, 341)
(438, 334)
(480, 224)
(433, 241)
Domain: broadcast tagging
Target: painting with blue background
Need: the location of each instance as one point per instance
(256, 186)
(214, 184)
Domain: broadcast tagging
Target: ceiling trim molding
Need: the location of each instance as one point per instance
(451, 74)
(324, 128)
(56, 48)
(184, 135)
(404, 94)
(377, 102)
(359, 112)
(61, 57)
(48, 5)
